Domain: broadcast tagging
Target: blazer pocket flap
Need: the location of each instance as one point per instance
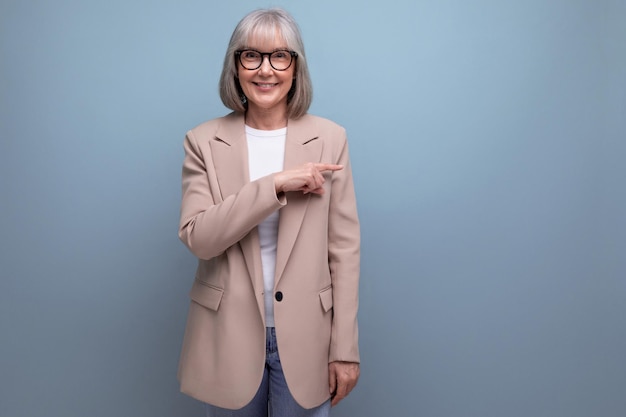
(326, 297)
(206, 295)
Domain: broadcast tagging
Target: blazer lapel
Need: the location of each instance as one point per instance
(230, 154)
(230, 158)
(302, 146)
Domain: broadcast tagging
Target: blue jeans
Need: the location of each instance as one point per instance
(273, 396)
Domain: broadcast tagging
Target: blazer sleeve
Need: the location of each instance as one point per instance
(344, 261)
(209, 224)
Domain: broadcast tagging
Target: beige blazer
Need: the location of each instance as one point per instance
(317, 265)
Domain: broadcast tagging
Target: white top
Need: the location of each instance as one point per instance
(266, 152)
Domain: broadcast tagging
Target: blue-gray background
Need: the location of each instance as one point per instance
(488, 141)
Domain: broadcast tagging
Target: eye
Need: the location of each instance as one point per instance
(280, 55)
(250, 55)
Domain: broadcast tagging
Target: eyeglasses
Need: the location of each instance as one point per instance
(279, 60)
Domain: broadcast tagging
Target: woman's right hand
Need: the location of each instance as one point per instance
(307, 178)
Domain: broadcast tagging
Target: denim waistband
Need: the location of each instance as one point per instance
(270, 340)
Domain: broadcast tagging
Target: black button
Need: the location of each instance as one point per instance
(279, 296)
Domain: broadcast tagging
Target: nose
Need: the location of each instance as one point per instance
(265, 67)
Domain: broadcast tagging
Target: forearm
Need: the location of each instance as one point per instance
(209, 229)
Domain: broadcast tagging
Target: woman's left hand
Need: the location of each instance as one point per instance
(343, 377)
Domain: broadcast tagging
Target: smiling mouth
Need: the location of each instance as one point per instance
(265, 85)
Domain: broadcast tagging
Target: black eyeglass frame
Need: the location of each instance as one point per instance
(293, 55)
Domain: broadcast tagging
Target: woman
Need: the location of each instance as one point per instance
(268, 207)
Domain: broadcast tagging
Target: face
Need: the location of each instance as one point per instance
(266, 88)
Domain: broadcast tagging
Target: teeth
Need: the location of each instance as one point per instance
(265, 85)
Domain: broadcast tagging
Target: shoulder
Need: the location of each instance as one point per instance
(321, 123)
(210, 128)
(322, 128)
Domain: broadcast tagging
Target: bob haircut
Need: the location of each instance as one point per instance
(266, 23)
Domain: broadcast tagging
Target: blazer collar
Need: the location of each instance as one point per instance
(232, 129)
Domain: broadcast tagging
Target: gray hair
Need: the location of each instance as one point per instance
(265, 23)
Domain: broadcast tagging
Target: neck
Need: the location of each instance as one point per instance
(266, 119)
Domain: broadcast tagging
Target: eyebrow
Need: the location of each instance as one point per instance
(247, 48)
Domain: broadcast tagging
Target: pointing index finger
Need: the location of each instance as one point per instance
(328, 167)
